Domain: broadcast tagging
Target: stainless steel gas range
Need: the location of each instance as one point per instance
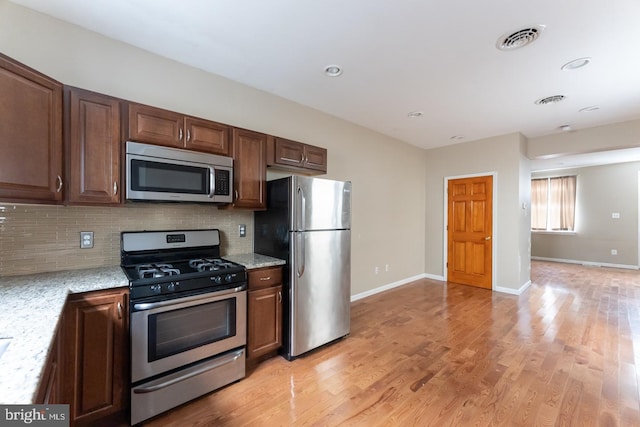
(188, 317)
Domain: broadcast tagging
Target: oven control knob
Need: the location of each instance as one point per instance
(228, 278)
(156, 288)
(217, 279)
(173, 286)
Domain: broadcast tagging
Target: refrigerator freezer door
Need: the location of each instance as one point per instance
(320, 204)
(320, 291)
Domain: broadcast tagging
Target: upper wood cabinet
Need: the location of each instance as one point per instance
(293, 155)
(95, 354)
(163, 127)
(30, 135)
(92, 136)
(249, 169)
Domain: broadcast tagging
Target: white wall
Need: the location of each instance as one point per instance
(387, 175)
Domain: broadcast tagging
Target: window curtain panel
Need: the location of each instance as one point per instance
(562, 195)
(539, 189)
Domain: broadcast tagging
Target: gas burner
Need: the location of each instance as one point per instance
(210, 264)
(146, 271)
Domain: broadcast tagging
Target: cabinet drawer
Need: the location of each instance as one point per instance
(264, 277)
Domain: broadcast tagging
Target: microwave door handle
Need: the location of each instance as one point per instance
(212, 181)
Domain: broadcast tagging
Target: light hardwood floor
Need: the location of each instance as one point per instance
(565, 352)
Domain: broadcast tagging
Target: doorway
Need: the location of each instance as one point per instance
(469, 230)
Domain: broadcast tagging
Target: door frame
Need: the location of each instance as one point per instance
(494, 240)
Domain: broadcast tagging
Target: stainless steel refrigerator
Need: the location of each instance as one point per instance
(308, 223)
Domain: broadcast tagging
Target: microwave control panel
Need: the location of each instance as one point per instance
(222, 183)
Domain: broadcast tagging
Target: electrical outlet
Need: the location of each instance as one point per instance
(376, 270)
(614, 252)
(86, 239)
(243, 230)
(615, 215)
(386, 268)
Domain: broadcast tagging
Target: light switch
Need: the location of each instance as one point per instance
(615, 215)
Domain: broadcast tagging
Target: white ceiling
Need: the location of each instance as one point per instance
(434, 56)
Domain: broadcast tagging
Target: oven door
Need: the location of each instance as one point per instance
(170, 334)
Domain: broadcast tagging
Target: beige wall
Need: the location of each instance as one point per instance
(503, 155)
(601, 190)
(600, 138)
(388, 176)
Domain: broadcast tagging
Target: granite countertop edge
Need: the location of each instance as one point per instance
(32, 306)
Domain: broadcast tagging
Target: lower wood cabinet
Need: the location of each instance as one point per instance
(95, 355)
(264, 315)
(50, 389)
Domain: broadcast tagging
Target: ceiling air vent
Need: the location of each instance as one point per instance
(550, 100)
(519, 38)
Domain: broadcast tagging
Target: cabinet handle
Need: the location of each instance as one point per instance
(188, 135)
(236, 194)
(115, 188)
(119, 310)
(265, 278)
(279, 297)
(59, 180)
(302, 158)
(180, 134)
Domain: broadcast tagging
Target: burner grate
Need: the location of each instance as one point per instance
(146, 271)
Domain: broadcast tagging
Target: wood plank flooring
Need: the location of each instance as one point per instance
(566, 352)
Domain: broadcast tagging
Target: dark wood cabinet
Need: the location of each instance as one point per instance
(264, 316)
(30, 135)
(293, 155)
(162, 127)
(50, 388)
(92, 138)
(95, 354)
(249, 169)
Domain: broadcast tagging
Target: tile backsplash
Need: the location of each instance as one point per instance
(35, 238)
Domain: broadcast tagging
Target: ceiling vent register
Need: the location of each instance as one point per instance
(520, 38)
(550, 100)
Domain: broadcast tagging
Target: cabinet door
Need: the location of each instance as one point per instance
(265, 321)
(30, 134)
(289, 153)
(93, 141)
(95, 354)
(315, 158)
(207, 136)
(50, 383)
(249, 169)
(155, 126)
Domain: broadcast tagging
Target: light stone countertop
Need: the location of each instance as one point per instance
(30, 310)
(252, 260)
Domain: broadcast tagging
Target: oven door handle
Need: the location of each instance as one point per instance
(200, 298)
(208, 367)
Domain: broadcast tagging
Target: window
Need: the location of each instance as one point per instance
(553, 202)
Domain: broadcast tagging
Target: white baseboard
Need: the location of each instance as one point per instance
(387, 287)
(587, 263)
(513, 291)
(434, 277)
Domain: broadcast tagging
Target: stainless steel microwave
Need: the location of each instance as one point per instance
(155, 173)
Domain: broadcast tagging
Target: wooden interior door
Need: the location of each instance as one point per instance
(470, 231)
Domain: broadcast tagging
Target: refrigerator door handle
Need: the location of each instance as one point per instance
(302, 209)
(302, 257)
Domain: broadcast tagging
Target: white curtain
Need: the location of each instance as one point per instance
(539, 197)
(562, 201)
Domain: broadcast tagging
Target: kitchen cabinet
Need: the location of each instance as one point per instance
(95, 354)
(249, 169)
(30, 135)
(92, 138)
(264, 316)
(49, 390)
(162, 127)
(293, 155)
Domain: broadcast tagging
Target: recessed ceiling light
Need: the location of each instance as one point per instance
(333, 70)
(519, 38)
(550, 100)
(589, 109)
(414, 114)
(576, 63)
(456, 137)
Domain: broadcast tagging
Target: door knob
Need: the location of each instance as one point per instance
(487, 238)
